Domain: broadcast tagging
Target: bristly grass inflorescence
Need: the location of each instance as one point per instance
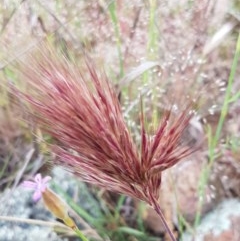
(79, 108)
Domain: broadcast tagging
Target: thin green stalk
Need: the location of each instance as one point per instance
(119, 205)
(151, 34)
(182, 222)
(235, 97)
(80, 234)
(151, 48)
(136, 233)
(140, 210)
(213, 139)
(5, 164)
(227, 95)
(112, 11)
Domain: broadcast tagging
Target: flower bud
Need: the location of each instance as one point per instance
(57, 207)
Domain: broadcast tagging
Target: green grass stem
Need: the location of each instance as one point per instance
(213, 139)
(80, 234)
(113, 15)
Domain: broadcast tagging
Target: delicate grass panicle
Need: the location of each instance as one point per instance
(79, 108)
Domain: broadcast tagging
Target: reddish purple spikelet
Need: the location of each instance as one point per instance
(80, 109)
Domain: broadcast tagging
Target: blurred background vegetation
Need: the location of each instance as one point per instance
(157, 49)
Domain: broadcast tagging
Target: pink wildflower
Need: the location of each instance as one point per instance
(51, 200)
(39, 185)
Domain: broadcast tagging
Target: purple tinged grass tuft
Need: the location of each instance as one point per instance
(80, 109)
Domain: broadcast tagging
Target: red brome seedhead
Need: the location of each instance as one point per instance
(79, 107)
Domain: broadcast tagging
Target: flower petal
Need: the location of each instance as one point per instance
(29, 184)
(38, 178)
(37, 195)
